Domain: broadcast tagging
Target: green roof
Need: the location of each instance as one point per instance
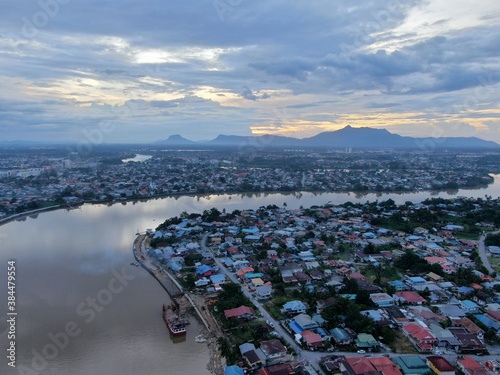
(366, 340)
(411, 364)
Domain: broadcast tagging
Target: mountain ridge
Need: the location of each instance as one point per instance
(363, 137)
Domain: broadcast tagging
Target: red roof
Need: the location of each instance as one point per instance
(469, 363)
(440, 363)
(385, 365)
(411, 297)
(360, 365)
(312, 338)
(418, 332)
(493, 314)
(239, 311)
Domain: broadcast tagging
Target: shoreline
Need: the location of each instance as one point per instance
(180, 297)
(362, 193)
(23, 215)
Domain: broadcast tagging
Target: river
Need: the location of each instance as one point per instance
(83, 309)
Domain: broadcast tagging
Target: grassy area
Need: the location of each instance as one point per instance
(346, 256)
(274, 310)
(495, 263)
(467, 236)
(402, 345)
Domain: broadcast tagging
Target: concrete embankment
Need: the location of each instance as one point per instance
(23, 215)
(166, 280)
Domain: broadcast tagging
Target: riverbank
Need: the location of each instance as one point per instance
(24, 215)
(194, 201)
(187, 301)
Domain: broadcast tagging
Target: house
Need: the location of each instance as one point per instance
(469, 366)
(399, 285)
(410, 297)
(254, 358)
(411, 365)
(294, 308)
(357, 366)
(382, 299)
(273, 348)
(469, 326)
(331, 363)
(303, 322)
(396, 315)
(205, 271)
(469, 306)
(312, 340)
(413, 281)
(242, 312)
(366, 341)
(444, 338)
(341, 336)
(469, 343)
(440, 365)
(280, 369)
(264, 292)
(385, 365)
(422, 338)
(451, 311)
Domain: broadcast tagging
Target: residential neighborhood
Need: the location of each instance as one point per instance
(33, 179)
(354, 288)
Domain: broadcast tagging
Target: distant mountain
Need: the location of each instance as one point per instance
(176, 140)
(358, 138)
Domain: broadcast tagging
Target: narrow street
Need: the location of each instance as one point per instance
(481, 249)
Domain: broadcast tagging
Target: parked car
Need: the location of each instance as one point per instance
(361, 351)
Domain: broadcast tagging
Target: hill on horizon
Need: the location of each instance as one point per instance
(347, 137)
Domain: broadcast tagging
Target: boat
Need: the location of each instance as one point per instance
(135, 264)
(175, 324)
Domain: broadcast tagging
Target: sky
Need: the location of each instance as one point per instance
(126, 71)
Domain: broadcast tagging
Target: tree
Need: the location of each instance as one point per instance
(363, 298)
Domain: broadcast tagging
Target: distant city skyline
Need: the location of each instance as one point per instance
(141, 72)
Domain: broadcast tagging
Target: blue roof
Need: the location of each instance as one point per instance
(252, 275)
(234, 370)
(203, 269)
(294, 306)
(470, 304)
(374, 314)
(219, 278)
(417, 280)
(465, 289)
(322, 332)
(340, 334)
(295, 327)
(397, 283)
(488, 322)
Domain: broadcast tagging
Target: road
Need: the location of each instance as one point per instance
(313, 357)
(481, 249)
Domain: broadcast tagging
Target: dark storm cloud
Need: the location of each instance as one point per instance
(71, 61)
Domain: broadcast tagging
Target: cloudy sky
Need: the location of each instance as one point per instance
(143, 70)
